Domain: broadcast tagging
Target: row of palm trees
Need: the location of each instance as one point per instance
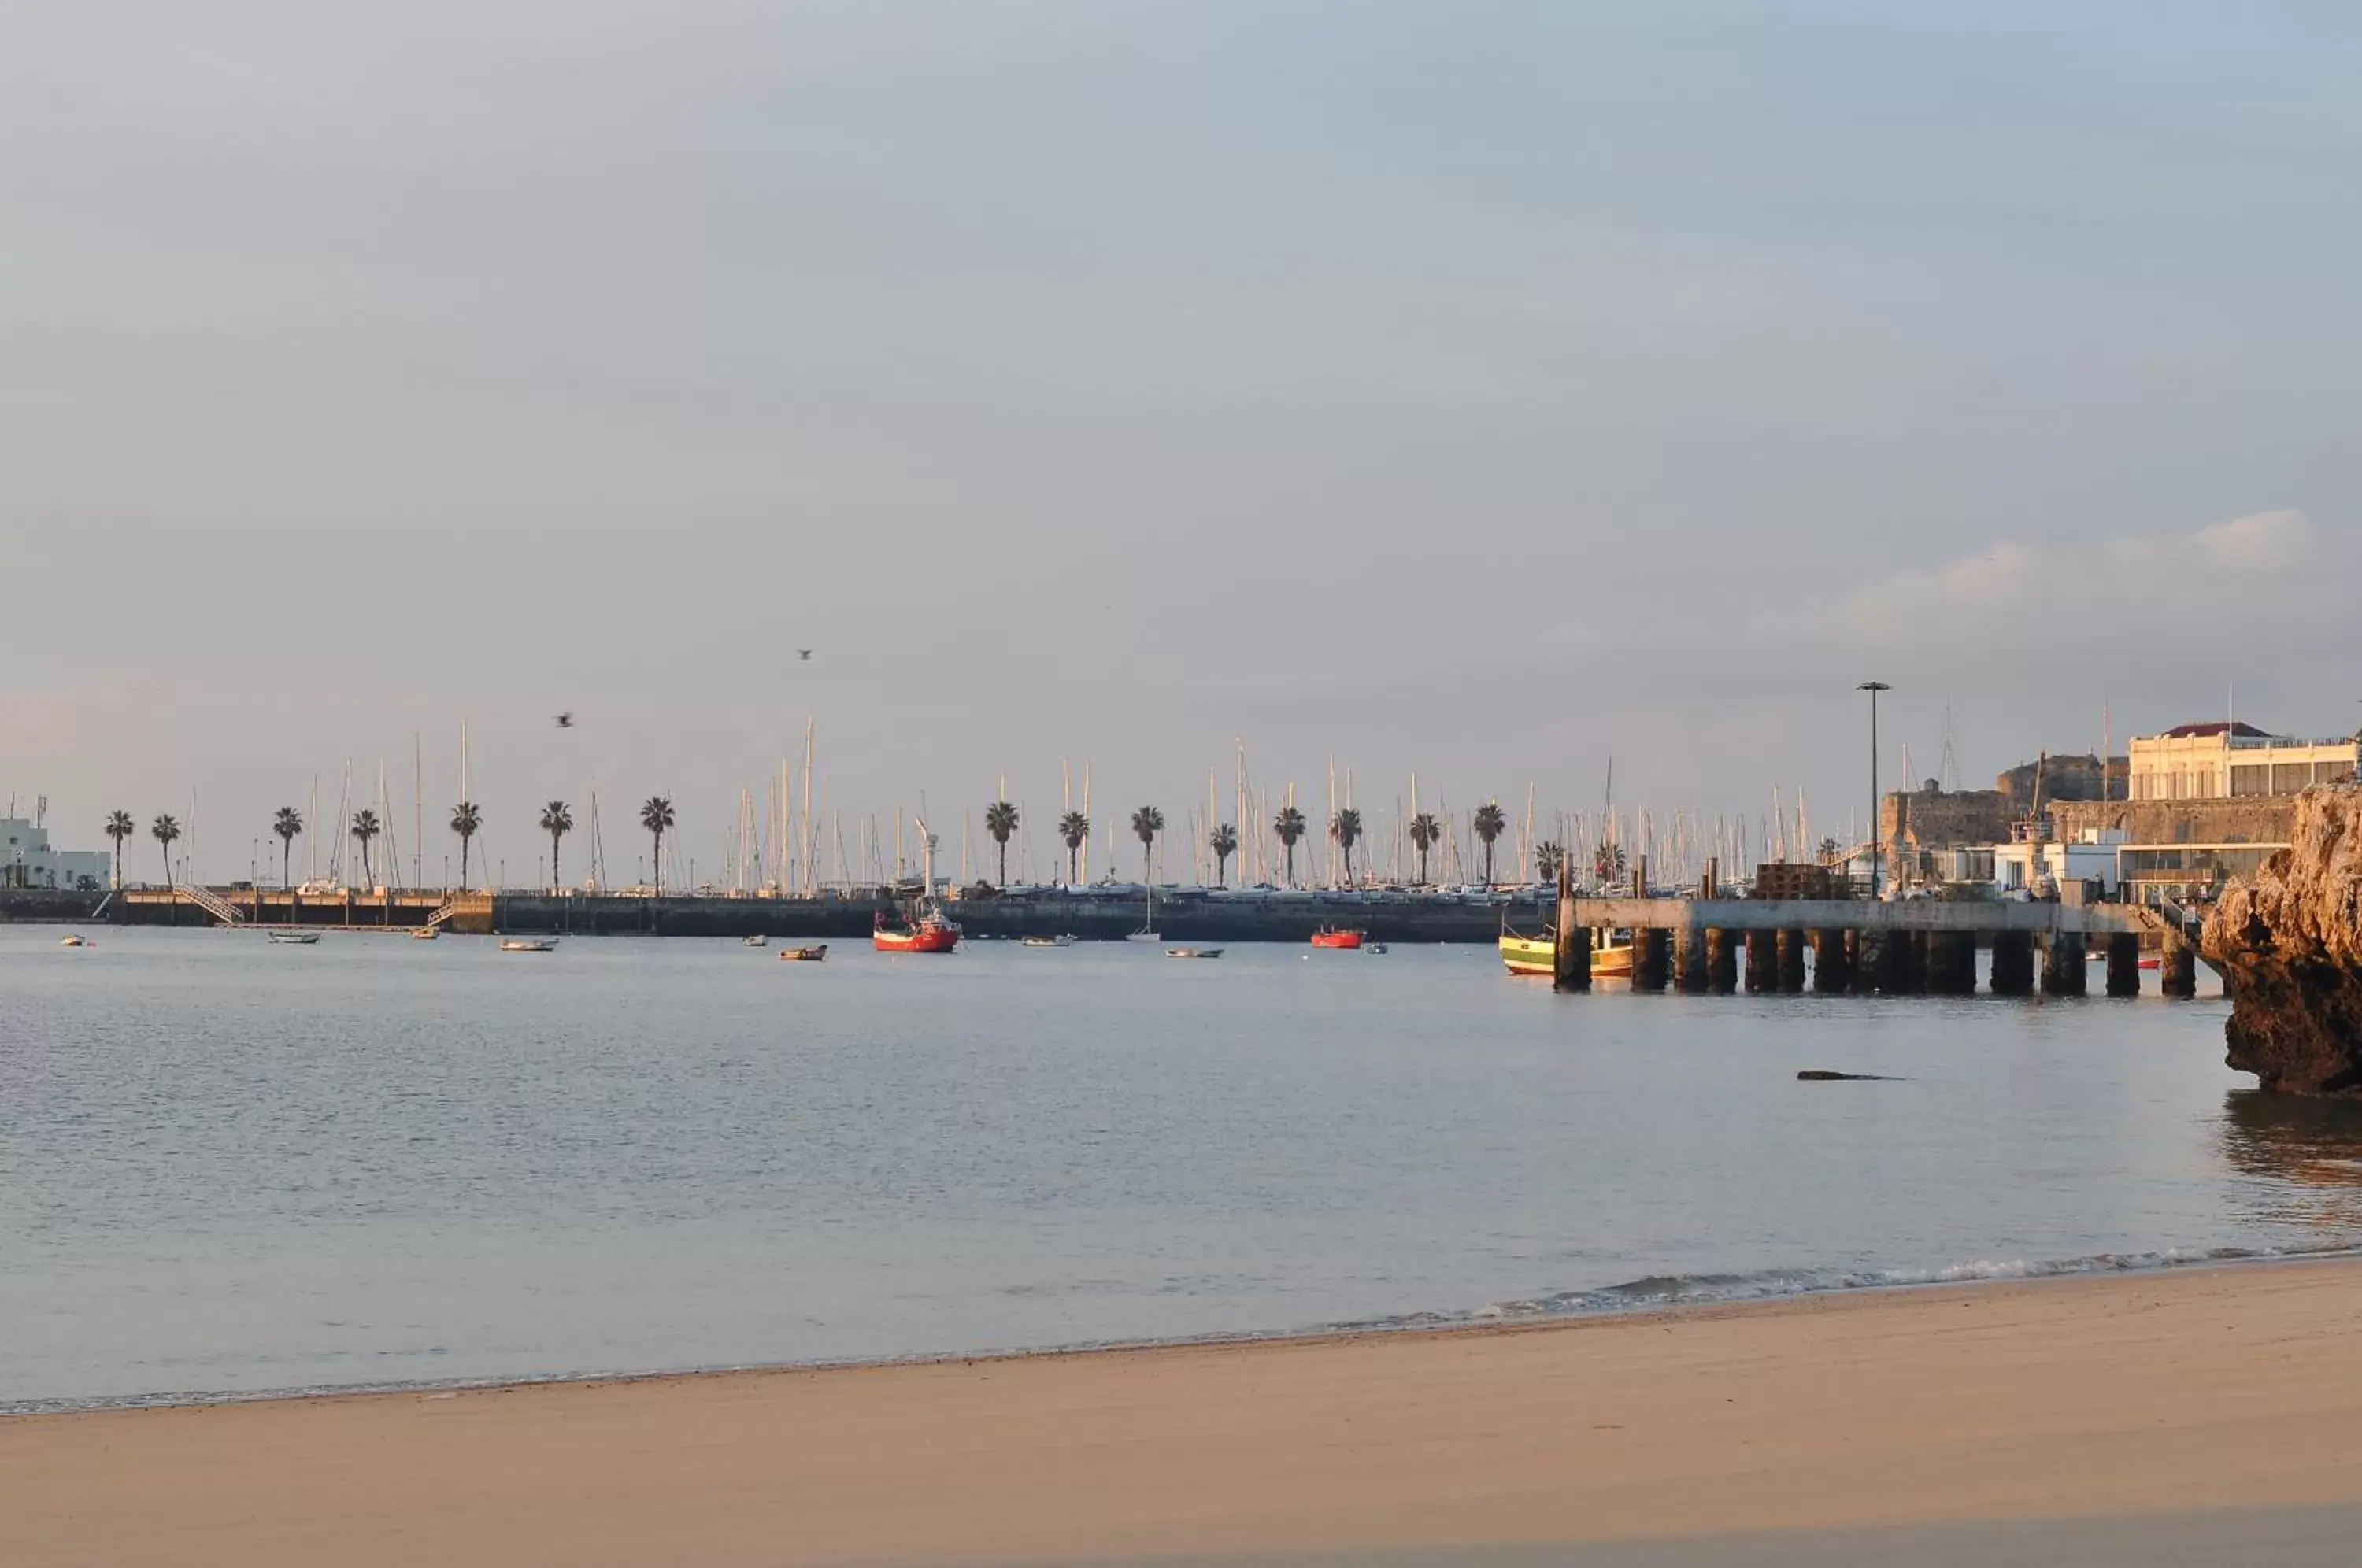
(1000, 821)
(467, 821)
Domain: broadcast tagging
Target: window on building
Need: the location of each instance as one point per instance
(2288, 778)
(2251, 778)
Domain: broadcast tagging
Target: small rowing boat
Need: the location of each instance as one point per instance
(1193, 953)
(804, 954)
(72, 941)
(758, 941)
(1065, 940)
(529, 945)
(294, 938)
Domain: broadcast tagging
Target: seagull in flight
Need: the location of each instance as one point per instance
(804, 654)
(565, 720)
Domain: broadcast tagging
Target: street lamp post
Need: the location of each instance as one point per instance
(1877, 822)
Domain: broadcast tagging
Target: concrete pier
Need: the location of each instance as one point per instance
(2124, 964)
(2013, 964)
(1721, 961)
(1651, 959)
(1832, 962)
(1791, 949)
(1763, 962)
(2066, 964)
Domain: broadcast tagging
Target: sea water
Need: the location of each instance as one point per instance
(228, 1167)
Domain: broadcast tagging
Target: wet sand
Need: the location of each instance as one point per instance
(2146, 1395)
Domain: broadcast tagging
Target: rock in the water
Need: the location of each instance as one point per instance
(2289, 944)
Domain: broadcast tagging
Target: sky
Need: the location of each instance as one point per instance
(1480, 391)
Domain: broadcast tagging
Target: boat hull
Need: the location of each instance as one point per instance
(1339, 939)
(1537, 956)
(927, 937)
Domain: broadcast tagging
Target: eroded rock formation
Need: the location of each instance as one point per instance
(2289, 942)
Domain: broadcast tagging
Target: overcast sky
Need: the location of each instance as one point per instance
(1475, 389)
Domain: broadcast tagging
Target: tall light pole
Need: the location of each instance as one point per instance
(1877, 823)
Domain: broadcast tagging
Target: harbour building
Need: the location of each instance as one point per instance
(2223, 759)
(28, 860)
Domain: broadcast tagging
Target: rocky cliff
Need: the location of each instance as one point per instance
(2289, 942)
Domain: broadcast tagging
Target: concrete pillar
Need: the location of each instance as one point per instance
(2065, 965)
(1951, 963)
(1832, 965)
(1763, 962)
(2013, 964)
(1689, 960)
(1889, 963)
(2178, 967)
(1650, 948)
(1791, 951)
(2124, 964)
(1570, 960)
(1857, 975)
(1721, 962)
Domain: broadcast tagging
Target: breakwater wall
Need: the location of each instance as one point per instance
(1194, 915)
(47, 904)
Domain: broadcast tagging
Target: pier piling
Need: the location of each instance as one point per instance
(2065, 960)
(1832, 963)
(2013, 964)
(1689, 960)
(1648, 959)
(1763, 962)
(1951, 963)
(2124, 964)
(1791, 952)
(2178, 967)
(1721, 961)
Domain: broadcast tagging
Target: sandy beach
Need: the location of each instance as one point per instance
(2148, 1394)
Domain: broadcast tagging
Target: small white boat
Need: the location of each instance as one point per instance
(1193, 953)
(72, 941)
(1148, 937)
(1065, 940)
(1373, 947)
(425, 933)
(529, 945)
(294, 938)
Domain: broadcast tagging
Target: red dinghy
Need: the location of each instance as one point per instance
(1328, 937)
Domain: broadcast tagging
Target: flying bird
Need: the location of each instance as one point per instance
(805, 653)
(565, 720)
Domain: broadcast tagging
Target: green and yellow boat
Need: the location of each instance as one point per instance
(1538, 955)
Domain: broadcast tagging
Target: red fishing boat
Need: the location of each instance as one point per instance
(929, 932)
(1329, 937)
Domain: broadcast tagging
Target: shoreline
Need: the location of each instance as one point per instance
(1411, 1325)
(2189, 1387)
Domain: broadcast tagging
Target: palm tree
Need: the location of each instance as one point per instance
(1147, 822)
(289, 825)
(556, 821)
(1224, 844)
(1425, 833)
(1549, 856)
(1489, 822)
(165, 830)
(1289, 826)
(1000, 821)
(1607, 862)
(1076, 829)
(656, 815)
(119, 826)
(365, 827)
(467, 821)
(1345, 828)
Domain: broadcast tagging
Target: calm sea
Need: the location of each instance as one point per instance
(228, 1167)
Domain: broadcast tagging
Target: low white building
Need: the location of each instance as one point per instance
(2022, 865)
(2219, 760)
(28, 860)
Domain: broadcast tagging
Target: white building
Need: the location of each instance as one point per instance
(2216, 761)
(27, 860)
(2023, 866)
